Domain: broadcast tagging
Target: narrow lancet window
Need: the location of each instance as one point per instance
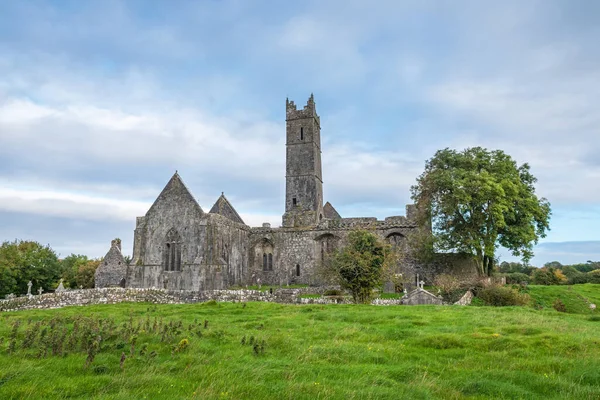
(270, 261)
(265, 265)
(297, 269)
(301, 133)
(172, 251)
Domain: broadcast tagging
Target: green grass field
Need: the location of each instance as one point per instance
(274, 351)
(576, 297)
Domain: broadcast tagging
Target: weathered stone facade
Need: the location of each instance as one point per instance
(112, 272)
(178, 246)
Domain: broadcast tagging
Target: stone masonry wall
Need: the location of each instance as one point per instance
(113, 270)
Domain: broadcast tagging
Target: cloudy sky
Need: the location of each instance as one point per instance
(101, 101)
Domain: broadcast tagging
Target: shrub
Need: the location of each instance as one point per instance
(559, 306)
(517, 278)
(499, 296)
(545, 276)
(362, 264)
(447, 283)
(452, 289)
(333, 292)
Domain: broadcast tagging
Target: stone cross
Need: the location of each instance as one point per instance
(405, 291)
(421, 284)
(29, 285)
(40, 290)
(258, 282)
(60, 287)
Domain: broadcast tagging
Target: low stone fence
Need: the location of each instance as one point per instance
(337, 300)
(86, 297)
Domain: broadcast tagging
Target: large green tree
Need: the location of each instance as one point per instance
(362, 264)
(23, 261)
(70, 268)
(477, 200)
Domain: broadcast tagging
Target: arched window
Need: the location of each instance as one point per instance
(327, 243)
(396, 239)
(297, 269)
(265, 248)
(172, 251)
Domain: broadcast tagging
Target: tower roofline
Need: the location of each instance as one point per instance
(309, 110)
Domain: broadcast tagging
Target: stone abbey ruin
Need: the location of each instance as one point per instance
(179, 246)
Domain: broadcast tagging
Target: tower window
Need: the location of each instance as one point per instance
(297, 269)
(301, 133)
(294, 201)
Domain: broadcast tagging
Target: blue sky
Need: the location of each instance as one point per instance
(101, 101)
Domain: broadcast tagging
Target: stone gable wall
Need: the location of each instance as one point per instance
(113, 270)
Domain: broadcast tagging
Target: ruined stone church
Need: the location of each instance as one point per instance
(179, 246)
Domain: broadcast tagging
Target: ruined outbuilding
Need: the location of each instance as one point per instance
(112, 272)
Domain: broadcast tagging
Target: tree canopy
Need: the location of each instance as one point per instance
(476, 200)
(24, 261)
(362, 264)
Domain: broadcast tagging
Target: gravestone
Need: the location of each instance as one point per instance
(29, 285)
(60, 287)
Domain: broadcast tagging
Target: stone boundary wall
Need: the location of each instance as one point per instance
(87, 297)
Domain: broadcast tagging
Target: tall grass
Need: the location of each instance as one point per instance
(274, 351)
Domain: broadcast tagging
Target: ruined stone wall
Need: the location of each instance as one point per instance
(113, 270)
(307, 247)
(211, 248)
(86, 297)
(219, 249)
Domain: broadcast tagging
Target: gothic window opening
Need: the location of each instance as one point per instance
(327, 244)
(264, 248)
(172, 252)
(396, 240)
(297, 269)
(301, 133)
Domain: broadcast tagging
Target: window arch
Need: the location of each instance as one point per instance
(395, 239)
(172, 251)
(265, 249)
(326, 244)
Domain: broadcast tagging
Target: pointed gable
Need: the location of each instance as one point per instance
(175, 188)
(112, 270)
(223, 207)
(330, 212)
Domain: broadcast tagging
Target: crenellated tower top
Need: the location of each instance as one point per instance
(309, 110)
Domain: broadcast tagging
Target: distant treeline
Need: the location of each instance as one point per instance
(552, 273)
(22, 261)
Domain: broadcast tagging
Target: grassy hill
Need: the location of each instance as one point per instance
(274, 351)
(576, 298)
